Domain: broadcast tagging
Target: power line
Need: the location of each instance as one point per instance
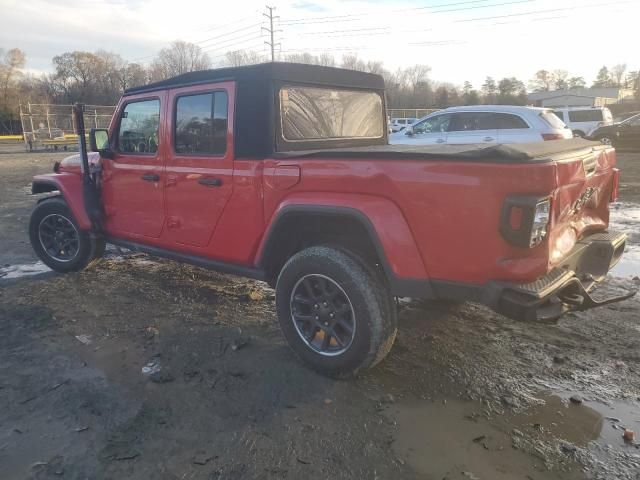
(552, 10)
(349, 18)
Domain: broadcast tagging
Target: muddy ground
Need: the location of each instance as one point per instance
(139, 368)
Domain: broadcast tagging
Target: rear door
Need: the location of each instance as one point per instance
(199, 167)
(513, 128)
(430, 131)
(132, 183)
(473, 127)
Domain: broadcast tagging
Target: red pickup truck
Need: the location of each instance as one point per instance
(282, 172)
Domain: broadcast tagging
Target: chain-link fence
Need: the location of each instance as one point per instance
(51, 126)
(409, 112)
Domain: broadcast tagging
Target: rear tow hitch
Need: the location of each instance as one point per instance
(573, 297)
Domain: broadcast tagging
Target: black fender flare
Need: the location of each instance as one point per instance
(405, 287)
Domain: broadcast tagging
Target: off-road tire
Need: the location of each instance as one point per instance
(89, 248)
(375, 314)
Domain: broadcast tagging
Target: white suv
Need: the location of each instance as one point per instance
(584, 120)
(492, 124)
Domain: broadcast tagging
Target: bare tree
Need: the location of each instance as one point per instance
(238, 58)
(560, 79)
(352, 62)
(576, 82)
(181, 57)
(542, 81)
(617, 74)
(10, 65)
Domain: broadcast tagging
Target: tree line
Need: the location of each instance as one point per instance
(100, 77)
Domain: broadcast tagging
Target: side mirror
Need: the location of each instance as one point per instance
(99, 141)
(408, 130)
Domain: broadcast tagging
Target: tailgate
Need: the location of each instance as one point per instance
(586, 183)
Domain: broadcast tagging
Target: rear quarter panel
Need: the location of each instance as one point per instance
(451, 209)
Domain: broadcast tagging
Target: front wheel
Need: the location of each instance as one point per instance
(335, 311)
(58, 240)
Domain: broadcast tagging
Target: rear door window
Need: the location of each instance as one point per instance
(201, 124)
(585, 116)
(508, 121)
(139, 124)
(314, 113)
(470, 121)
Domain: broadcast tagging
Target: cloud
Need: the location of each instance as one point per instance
(459, 40)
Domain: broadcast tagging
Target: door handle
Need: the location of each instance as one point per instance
(488, 139)
(440, 140)
(210, 182)
(150, 177)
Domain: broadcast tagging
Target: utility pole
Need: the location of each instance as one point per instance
(271, 31)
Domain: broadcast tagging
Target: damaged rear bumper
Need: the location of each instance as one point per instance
(564, 289)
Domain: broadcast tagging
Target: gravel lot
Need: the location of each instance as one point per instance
(464, 394)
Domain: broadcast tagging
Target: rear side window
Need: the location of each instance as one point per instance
(139, 127)
(507, 121)
(313, 113)
(469, 121)
(201, 124)
(585, 115)
(552, 119)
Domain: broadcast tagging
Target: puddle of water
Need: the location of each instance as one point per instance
(454, 440)
(559, 418)
(616, 416)
(625, 217)
(444, 440)
(18, 271)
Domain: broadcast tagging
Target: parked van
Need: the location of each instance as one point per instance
(399, 124)
(584, 120)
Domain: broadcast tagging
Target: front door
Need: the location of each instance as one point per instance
(132, 188)
(199, 169)
(430, 131)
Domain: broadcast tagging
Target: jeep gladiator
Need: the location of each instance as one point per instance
(283, 173)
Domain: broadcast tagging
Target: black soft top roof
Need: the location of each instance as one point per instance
(265, 72)
(256, 103)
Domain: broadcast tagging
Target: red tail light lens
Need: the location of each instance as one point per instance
(552, 136)
(615, 185)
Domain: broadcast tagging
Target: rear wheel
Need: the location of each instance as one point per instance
(335, 311)
(58, 240)
(578, 133)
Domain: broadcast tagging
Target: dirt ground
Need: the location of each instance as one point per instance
(142, 368)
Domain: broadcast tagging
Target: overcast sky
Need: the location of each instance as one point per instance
(460, 39)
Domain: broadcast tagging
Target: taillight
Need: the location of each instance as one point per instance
(615, 185)
(552, 136)
(525, 220)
